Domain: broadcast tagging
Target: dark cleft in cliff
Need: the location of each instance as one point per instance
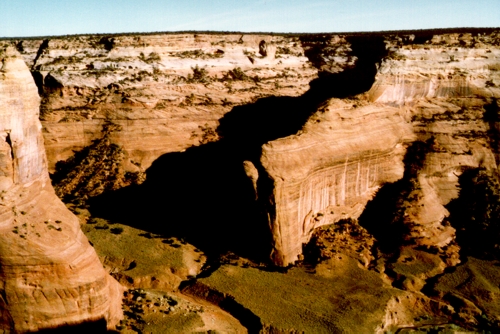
(203, 194)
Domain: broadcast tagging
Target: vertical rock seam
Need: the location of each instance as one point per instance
(50, 276)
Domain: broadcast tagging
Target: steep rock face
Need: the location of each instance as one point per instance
(330, 169)
(438, 70)
(49, 274)
(167, 92)
(445, 87)
(442, 89)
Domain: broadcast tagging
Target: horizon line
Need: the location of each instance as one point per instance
(227, 32)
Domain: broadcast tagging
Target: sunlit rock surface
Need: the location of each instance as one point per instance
(166, 91)
(330, 169)
(405, 124)
(49, 274)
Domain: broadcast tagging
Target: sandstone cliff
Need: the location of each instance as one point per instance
(167, 92)
(435, 92)
(256, 141)
(49, 274)
(331, 169)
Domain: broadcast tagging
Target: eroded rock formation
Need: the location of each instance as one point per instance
(388, 124)
(166, 91)
(335, 164)
(50, 276)
(331, 169)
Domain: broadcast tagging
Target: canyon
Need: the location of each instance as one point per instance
(279, 164)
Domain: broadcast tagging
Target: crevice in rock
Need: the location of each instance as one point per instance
(203, 194)
(41, 49)
(38, 78)
(9, 142)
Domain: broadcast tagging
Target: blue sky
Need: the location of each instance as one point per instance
(58, 17)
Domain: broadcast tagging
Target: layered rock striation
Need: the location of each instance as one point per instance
(167, 91)
(435, 92)
(446, 87)
(330, 169)
(50, 276)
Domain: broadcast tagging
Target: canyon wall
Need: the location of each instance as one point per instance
(167, 93)
(330, 170)
(442, 88)
(435, 92)
(50, 276)
(446, 87)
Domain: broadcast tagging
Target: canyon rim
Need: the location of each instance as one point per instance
(276, 183)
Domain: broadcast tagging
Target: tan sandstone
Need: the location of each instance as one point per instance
(49, 274)
(330, 169)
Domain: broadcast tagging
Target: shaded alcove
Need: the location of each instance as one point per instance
(384, 215)
(203, 194)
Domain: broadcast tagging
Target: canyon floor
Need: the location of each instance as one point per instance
(338, 291)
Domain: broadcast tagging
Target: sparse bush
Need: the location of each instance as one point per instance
(235, 74)
(287, 51)
(152, 58)
(198, 54)
(102, 227)
(117, 230)
(248, 53)
(200, 75)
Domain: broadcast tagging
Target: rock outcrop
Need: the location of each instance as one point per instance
(446, 87)
(300, 132)
(50, 276)
(331, 169)
(166, 91)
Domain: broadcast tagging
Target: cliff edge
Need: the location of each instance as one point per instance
(50, 276)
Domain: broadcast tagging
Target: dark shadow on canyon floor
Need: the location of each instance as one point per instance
(98, 326)
(203, 194)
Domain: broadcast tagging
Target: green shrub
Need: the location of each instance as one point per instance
(152, 58)
(235, 74)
